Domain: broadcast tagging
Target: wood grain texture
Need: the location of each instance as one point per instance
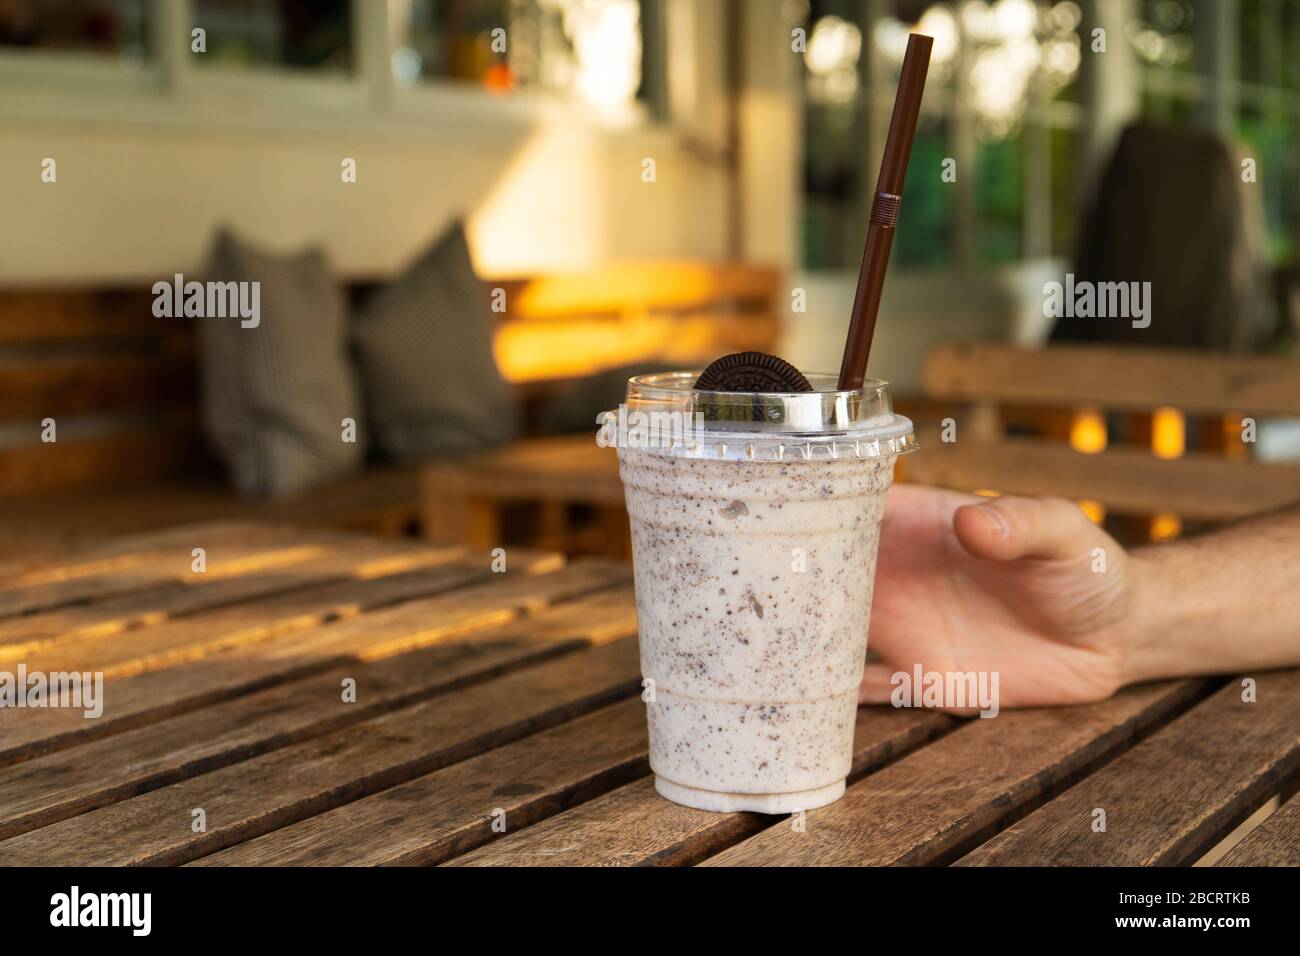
(1113, 377)
(565, 468)
(289, 609)
(436, 816)
(159, 559)
(45, 790)
(1173, 796)
(134, 453)
(634, 826)
(534, 350)
(376, 501)
(262, 575)
(637, 287)
(1125, 479)
(935, 804)
(62, 315)
(248, 666)
(1275, 842)
(147, 546)
(276, 789)
(56, 386)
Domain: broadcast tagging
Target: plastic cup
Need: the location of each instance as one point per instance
(755, 521)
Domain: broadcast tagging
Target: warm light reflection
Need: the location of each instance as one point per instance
(988, 493)
(544, 212)
(1168, 433)
(499, 79)
(564, 325)
(611, 288)
(606, 39)
(1165, 526)
(1095, 510)
(533, 350)
(1088, 432)
(1231, 431)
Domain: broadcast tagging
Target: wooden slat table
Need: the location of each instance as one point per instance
(463, 500)
(497, 720)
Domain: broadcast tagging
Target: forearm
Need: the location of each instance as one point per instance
(1224, 602)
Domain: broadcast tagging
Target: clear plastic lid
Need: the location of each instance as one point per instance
(665, 414)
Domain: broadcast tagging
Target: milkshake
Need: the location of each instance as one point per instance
(754, 546)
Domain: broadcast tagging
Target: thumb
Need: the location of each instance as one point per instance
(1007, 528)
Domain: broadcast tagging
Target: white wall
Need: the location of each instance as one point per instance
(138, 201)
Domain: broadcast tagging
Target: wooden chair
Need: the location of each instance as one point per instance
(557, 329)
(985, 381)
(567, 489)
(568, 325)
(564, 493)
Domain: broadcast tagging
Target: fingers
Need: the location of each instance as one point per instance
(1007, 528)
(876, 684)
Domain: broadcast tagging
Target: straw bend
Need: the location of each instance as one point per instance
(884, 209)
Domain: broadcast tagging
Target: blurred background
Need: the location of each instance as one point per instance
(659, 181)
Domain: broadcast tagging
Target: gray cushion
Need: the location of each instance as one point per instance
(424, 344)
(275, 395)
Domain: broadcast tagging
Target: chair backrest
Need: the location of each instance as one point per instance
(984, 379)
(681, 313)
(1115, 378)
(98, 373)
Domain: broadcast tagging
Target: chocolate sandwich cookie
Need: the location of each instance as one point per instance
(752, 372)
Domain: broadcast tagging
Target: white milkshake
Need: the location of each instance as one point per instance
(754, 567)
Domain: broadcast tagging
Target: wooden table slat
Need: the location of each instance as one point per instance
(635, 826)
(60, 785)
(191, 638)
(1173, 796)
(156, 559)
(284, 786)
(307, 648)
(435, 816)
(311, 566)
(1275, 842)
(933, 805)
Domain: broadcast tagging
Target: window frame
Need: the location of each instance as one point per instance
(169, 89)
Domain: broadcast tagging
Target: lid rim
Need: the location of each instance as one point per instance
(670, 398)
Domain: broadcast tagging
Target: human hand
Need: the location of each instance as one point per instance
(1001, 584)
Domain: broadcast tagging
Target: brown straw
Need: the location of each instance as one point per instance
(884, 210)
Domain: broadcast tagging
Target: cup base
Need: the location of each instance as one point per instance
(775, 803)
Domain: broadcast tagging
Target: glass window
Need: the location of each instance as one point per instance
(1063, 144)
(1162, 35)
(1259, 99)
(117, 28)
(306, 34)
(1169, 109)
(1018, 59)
(925, 227)
(832, 132)
(1269, 137)
(999, 197)
(585, 50)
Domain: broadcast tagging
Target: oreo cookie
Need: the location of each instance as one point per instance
(752, 372)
